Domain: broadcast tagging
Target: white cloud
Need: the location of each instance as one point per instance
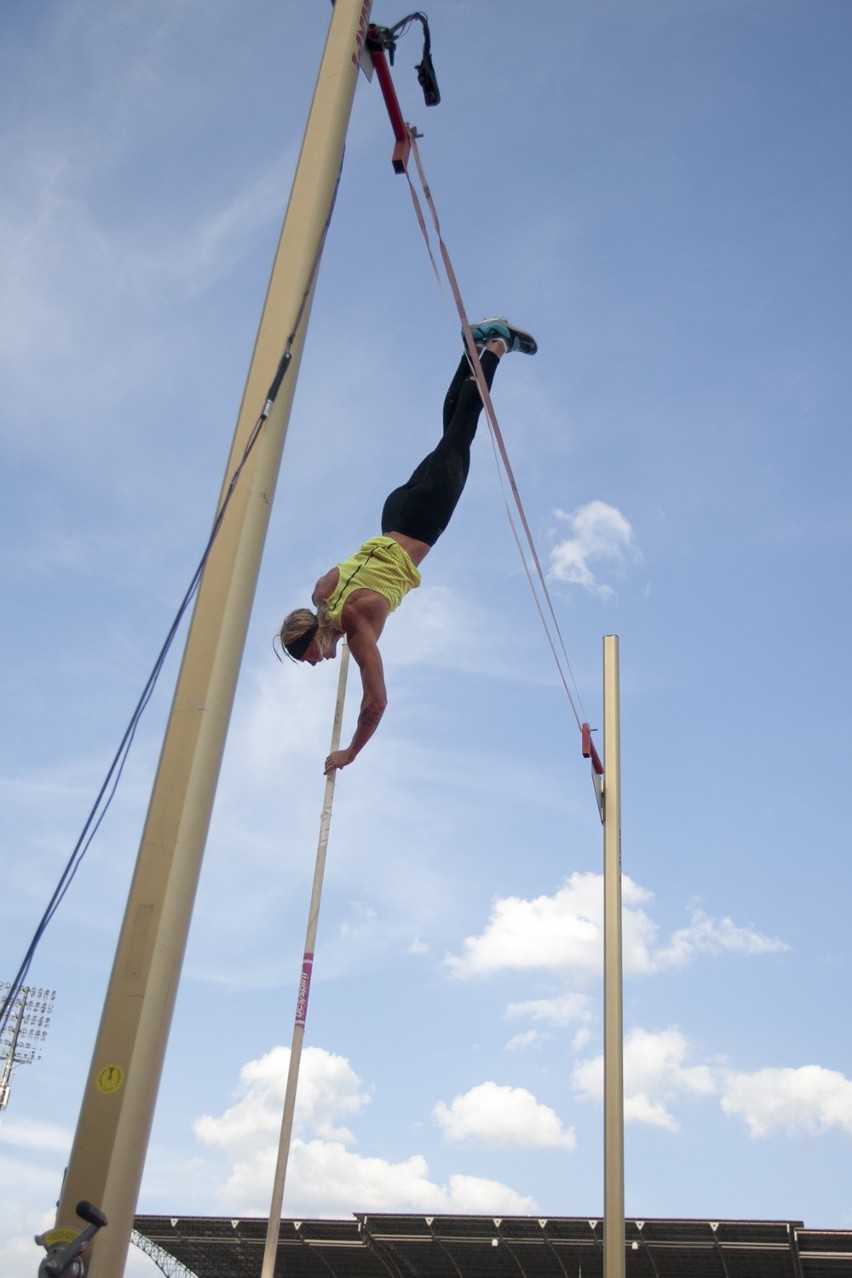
(519, 1042)
(324, 1177)
(478, 1196)
(564, 932)
(564, 1010)
(808, 1100)
(32, 1135)
(655, 1074)
(707, 936)
(560, 1012)
(561, 931)
(599, 535)
(329, 1089)
(498, 1116)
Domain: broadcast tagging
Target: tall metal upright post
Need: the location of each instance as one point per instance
(614, 1257)
(108, 1154)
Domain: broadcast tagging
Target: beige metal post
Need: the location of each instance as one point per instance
(614, 1258)
(109, 1149)
(273, 1228)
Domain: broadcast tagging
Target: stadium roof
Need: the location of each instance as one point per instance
(395, 1246)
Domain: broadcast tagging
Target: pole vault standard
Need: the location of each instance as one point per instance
(108, 1154)
(614, 1257)
(606, 777)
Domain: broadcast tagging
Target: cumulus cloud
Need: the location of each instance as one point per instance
(561, 931)
(499, 1116)
(325, 1177)
(564, 933)
(329, 1172)
(479, 1196)
(329, 1089)
(809, 1100)
(655, 1075)
(599, 535)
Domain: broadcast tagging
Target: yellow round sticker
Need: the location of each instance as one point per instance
(109, 1079)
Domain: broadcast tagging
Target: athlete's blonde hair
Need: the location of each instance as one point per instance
(301, 626)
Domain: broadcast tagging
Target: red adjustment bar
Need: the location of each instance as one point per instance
(402, 149)
(589, 751)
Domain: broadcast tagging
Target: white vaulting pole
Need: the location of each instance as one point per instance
(274, 1225)
(111, 1141)
(614, 1257)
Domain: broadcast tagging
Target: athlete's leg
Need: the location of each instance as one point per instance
(462, 374)
(422, 507)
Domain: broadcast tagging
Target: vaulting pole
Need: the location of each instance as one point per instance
(108, 1155)
(614, 1258)
(274, 1226)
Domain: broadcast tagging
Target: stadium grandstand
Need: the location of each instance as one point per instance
(400, 1246)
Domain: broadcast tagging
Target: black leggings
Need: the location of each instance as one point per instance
(422, 507)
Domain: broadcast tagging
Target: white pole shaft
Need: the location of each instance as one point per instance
(285, 1138)
(108, 1155)
(614, 1256)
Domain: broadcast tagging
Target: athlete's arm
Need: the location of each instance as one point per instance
(374, 699)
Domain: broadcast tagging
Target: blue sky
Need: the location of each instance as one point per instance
(659, 190)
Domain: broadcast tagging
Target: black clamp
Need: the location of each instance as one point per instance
(383, 39)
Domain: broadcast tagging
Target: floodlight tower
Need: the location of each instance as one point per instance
(24, 1033)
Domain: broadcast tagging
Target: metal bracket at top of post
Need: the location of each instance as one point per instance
(589, 752)
(401, 131)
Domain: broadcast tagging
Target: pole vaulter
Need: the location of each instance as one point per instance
(108, 1154)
